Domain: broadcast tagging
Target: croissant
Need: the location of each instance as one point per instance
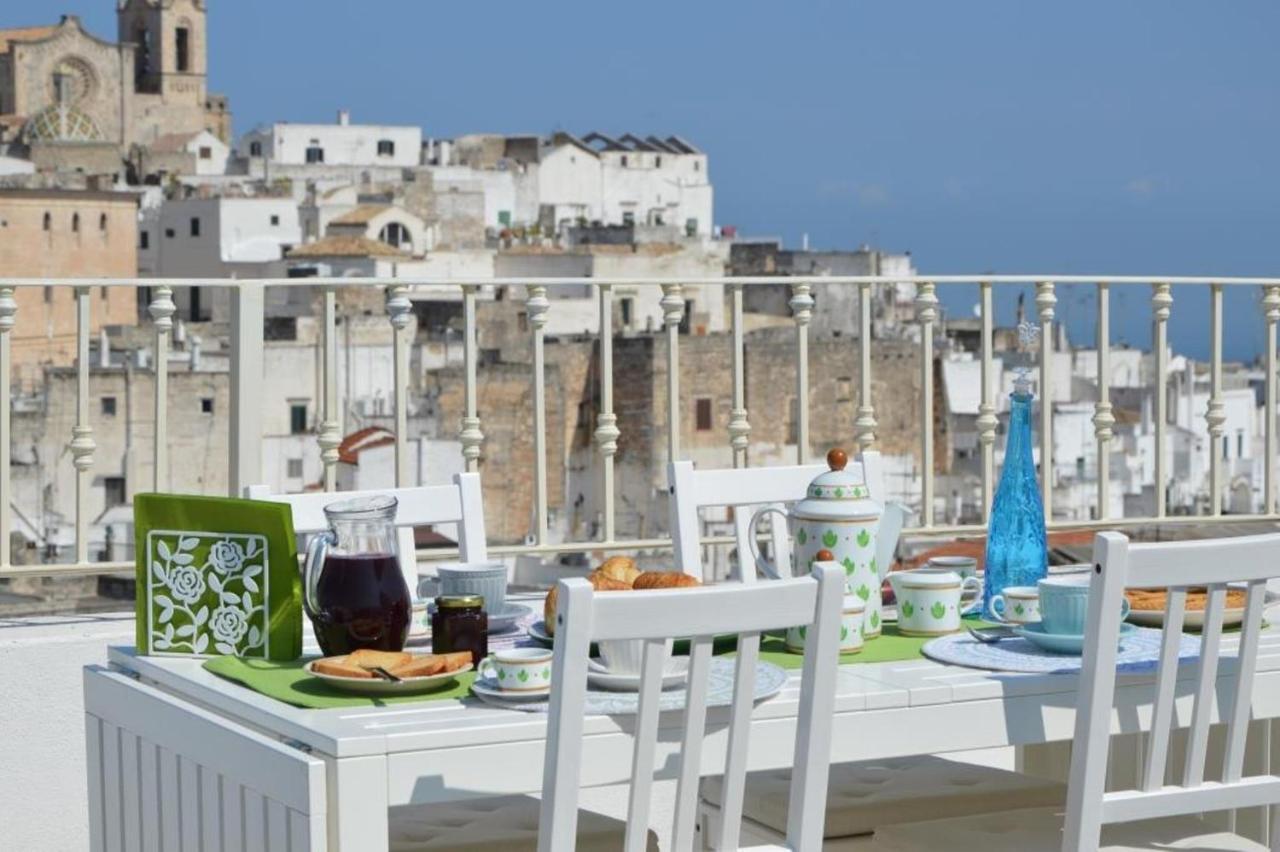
(599, 582)
(621, 568)
(665, 580)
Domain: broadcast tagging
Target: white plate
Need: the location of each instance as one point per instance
(487, 688)
(674, 674)
(1194, 618)
(507, 619)
(378, 686)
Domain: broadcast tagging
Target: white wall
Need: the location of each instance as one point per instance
(497, 186)
(343, 144)
(232, 230)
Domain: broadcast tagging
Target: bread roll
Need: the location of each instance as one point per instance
(339, 667)
(599, 582)
(665, 580)
(620, 568)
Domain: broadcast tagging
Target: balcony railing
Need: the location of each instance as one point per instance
(247, 350)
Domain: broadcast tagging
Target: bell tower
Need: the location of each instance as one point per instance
(170, 44)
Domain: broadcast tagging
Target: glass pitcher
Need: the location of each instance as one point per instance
(353, 588)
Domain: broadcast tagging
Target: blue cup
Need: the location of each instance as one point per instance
(1064, 604)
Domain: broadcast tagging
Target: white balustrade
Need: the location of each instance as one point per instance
(1045, 300)
(162, 310)
(739, 428)
(1103, 419)
(607, 432)
(537, 306)
(247, 349)
(926, 304)
(399, 309)
(802, 310)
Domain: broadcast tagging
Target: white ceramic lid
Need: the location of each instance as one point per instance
(927, 578)
(837, 495)
(853, 603)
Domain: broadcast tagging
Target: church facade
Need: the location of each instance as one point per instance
(70, 100)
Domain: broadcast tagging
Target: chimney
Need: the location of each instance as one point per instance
(344, 117)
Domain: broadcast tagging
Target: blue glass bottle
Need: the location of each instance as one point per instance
(1017, 554)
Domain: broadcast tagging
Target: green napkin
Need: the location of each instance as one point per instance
(288, 682)
(891, 647)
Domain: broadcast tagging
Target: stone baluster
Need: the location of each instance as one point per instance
(399, 310)
(162, 310)
(607, 432)
(802, 311)
(1045, 301)
(672, 304)
(926, 305)
(1161, 307)
(470, 436)
(537, 306)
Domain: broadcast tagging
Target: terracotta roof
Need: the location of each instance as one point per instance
(361, 215)
(7, 37)
(363, 439)
(345, 246)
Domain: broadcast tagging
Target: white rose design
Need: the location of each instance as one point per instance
(226, 557)
(228, 624)
(186, 583)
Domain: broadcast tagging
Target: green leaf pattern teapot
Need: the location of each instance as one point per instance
(837, 515)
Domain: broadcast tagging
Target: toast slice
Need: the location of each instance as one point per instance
(456, 660)
(367, 659)
(421, 666)
(339, 667)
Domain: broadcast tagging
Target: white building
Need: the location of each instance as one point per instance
(202, 154)
(340, 144)
(216, 237)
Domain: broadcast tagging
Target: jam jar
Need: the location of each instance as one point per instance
(459, 623)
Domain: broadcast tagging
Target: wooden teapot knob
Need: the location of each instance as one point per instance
(837, 459)
(824, 556)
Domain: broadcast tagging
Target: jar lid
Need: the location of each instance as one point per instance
(838, 494)
(459, 601)
(928, 578)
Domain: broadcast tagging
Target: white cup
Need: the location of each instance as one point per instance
(519, 669)
(1016, 605)
(626, 656)
(965, 566)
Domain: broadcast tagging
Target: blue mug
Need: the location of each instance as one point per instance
(1064, 604)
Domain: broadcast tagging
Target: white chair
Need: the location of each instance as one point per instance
(655, 617)
(461, 503)
(864, 796)
(1162, 812)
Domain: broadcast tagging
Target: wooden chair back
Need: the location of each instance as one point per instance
(1249, 561)
(746, 489)
(460, 503)
(656, 617)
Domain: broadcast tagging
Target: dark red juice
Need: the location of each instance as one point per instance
(363, 603)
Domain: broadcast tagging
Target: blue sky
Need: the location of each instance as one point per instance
(1127, 137)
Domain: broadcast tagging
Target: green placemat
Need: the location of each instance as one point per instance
(287, 682)
(890, 647)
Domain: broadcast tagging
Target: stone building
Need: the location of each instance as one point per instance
(57, 233)
(74, 101)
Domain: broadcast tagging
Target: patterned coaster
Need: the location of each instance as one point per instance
(1138, 652)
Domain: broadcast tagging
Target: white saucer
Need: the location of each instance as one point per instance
(378, 686)
(674, 673)
(487, 688)
(538, 633)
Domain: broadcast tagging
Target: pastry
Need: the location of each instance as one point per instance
(599, 582)
(620, 568)
(1197, 598)
(339, 667)
(665, 580)
(368, 659)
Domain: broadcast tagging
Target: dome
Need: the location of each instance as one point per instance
(62, 123)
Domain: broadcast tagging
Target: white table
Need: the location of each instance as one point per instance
(288, 778)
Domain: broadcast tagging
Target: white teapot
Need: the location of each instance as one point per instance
(838, 515)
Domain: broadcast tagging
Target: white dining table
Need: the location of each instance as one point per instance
(324, 779)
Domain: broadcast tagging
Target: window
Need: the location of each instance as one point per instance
(298, 418)
(1226, 448)
(386, 148)
(168, 232)
(628, 306)
(195, 226)
(75, 223)
(183, 44)
(275, 220)
(108, 406)
(657, 162)
(102, 223)
(113, 490)
(48, 295)
(206, 153)
(315, 154)
(624, 161)
(102, 293)
(396, 235)
(255, 149)
(1079, 467)
(697, 166)
(522, 321)
(144, 240)
(206, 405)
(702, 414)
(293, 468)
(628, 217)
(48, 221)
